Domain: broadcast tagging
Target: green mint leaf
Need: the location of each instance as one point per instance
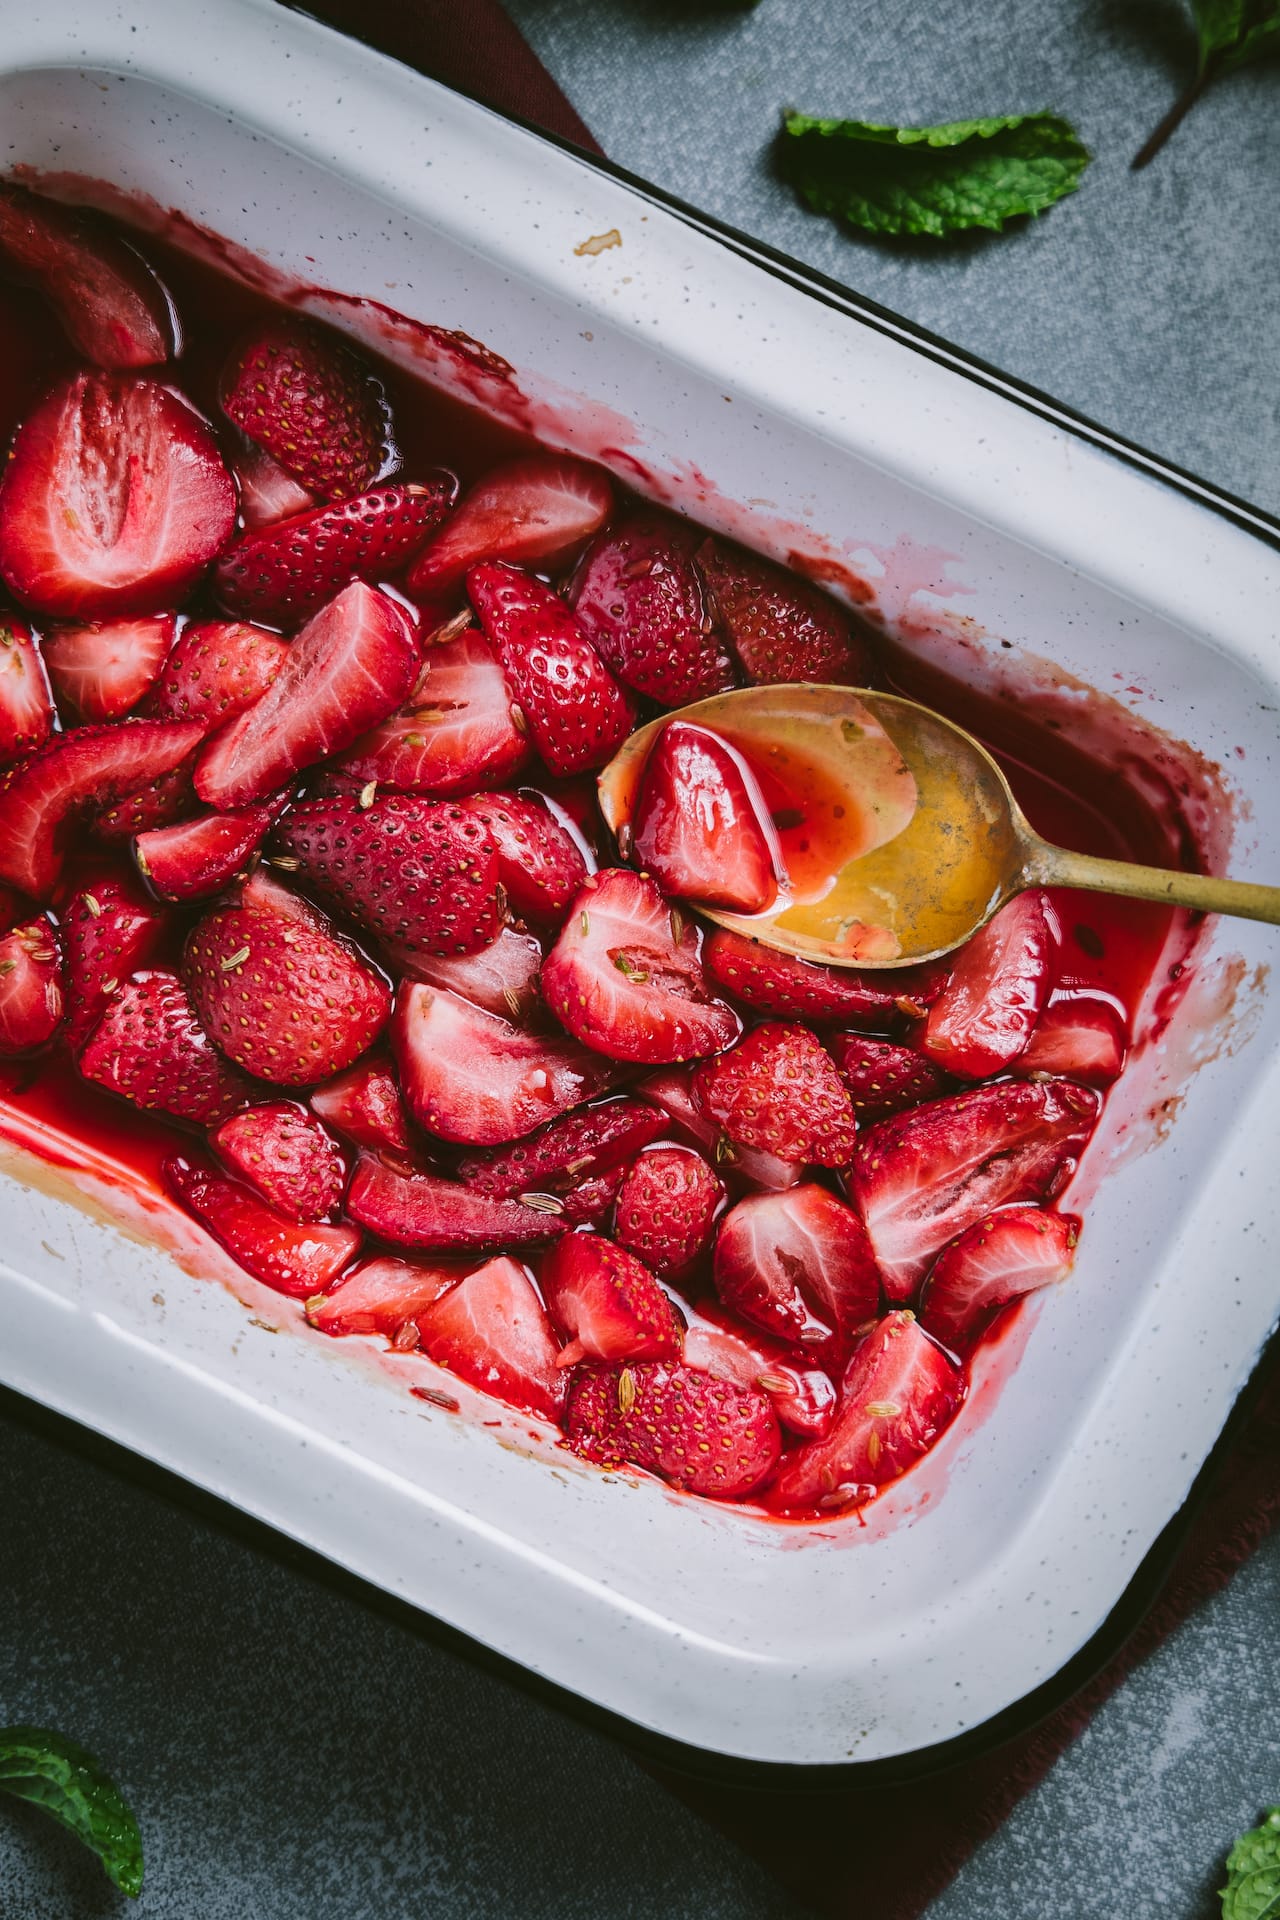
(1252, 1891)
(1234, 32)
(52, 1772)
(932, 180)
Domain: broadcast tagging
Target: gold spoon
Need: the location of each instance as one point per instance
(903, 837)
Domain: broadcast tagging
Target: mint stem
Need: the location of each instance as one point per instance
(1174, 118)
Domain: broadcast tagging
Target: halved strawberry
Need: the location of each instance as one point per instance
(150, 1048)
(215, 670)
(537, 511)
(90, 766)
(110, 304)
(921, 1177)
(101, 671)
(115, 499)
(793, 989)
(804, 1397)
(493, 1330)
(590, 1204)
(422, 875)
(348, 668)
(286, 1156)
(26, 708)
(281, 993)
(201, 856)
(900, 1393)
(607, 1304)
(364, 1103)
(1084, 1037)
(698, 825)
(667, 1205)
(883, 1078)
(416, 1208)
(383, 1295)
(540, 864)
(782, 628)
(560, 1156)
(31, 990)
(502, 977)
(577, 713)
(295, 1260)
(312, 403)
(1000, 979)
(699, 1432)
(471, 1076)
(672, 1089)
(268, 491)
(777, 1089)
(285, 572)
(109, 930)
(1000, 1257)
(799, 1264)
(639, 598)
(456, 732)
(161, 803)
(626, 977)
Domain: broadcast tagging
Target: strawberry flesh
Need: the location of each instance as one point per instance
(698, 826)
(560, 1156)
(383, 1295)
(268, 491)
(502, 977)
(364, 1104)
(999, 1258)
(778, 1090)
(455, 733)
(884, 1078)
(26, 708)
(150, 1048)
(799, 1264)
(794, 989)
(695, 1430)
(109, 303)
(312, 404)
(782, 629)
(415, 1208)
(639, 599)
(110, 929)
(1000, 979)
(804, 1397)
(101, 671)
(540, 865)
(1084, 1037)
(297, 1260)
(217, 669)
(666, 1208)
(197, 857)
(31, 987)
(492, 1330)
(607, 1303)
(536, 511)
(286, 1156)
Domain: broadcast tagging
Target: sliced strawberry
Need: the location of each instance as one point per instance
(804, 1397)
(900, 1393)
(793, 989)
(201, 856)
(420, 1209)
(286, 1156)
(639, 599)
(1000, 980)
(456, 732)
(422, 875)
(115, 499)
(884, 1078)
(502, 977)
(493, 1330)
(607, 1304)
(471, 1076)
(576, 711)
(161, 803)
(268, 491)
(348, 668)
(364, 1104)
(101, 671)
(590, 1204)
(560, 1156)
(26, 708)
(285, 572)
(672, 1089)
(1000, 1257)
(109, 930)
(777, 1089)
(383, 1295)
(295, 1260)
(150, 1048)
(110, 304)
(281, 993)
(315, 406)
(798, 1264)
(698, 823)
(31, 989)
(699, 1432)
(667, 1205)
(921, 1177)
(540, 864)
(536, 511)
(782, 628)
(216, 669)
(626, 977)
(1084, 1037)
(93, 765)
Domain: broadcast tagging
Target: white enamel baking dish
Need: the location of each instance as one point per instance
(755, 404)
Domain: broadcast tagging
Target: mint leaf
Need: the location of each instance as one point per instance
(1252, 1891)
(52, 1772)
(1231, 33)
(932, 180)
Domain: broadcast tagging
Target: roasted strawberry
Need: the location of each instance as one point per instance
(502, 977)
(639, 599)
(577, 713)
(626, 977)
(607, 1304)
(590, 1204)
(26, 708)
(201, 856)
(101, 671)
(793, 989)
(777, 1089)
(999, 981)
(540, 864)
(697, 1431)
(492, 1330)
(672, 1089)
(456, 732)
(31, 987)
(286, 1156)
(564, 1153)
(804, 1396)
(150, 1048)
(295, 1260)
(883, 1078)
(699, 825)
(348, 668)
(921, 1177)
(109, 930)
(268, 491)
(215, 670)
(799, 1264)
(416, 1208)
(115, 499)
(109, 303)
(1083, 1036)
(667, 1205)
(364, 1104)
(781, 627)
(1007, 1254)
(901, 1391)
(161, 803)
(535, 511)
(383, 1295)
(312, 403)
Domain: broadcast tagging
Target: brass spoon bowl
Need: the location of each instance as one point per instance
(922, 836)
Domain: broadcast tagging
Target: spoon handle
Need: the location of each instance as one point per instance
(1047, 866)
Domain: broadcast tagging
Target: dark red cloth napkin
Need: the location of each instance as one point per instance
(881, 1852)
